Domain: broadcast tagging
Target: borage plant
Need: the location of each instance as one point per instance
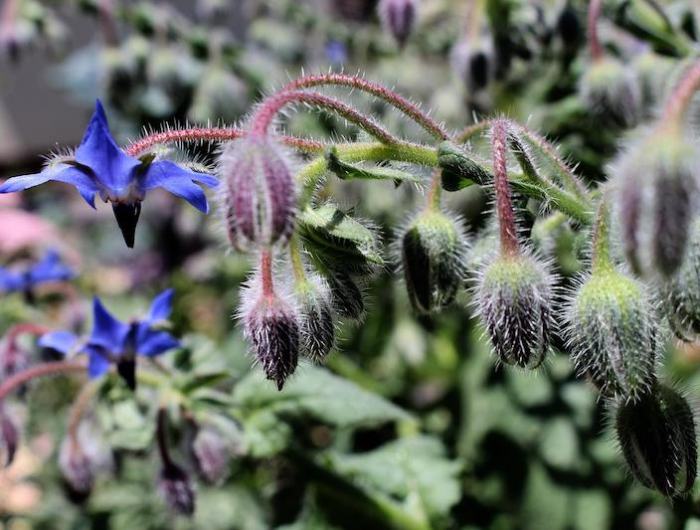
(313, 258)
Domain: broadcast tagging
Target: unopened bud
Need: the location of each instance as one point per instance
(9, 439)
(260, 190)
(657, 435)
(212, 456)
(609, 92)
(433, 256)
(176, 489)
(612, 331)
(473, 61)
(346, 295)
(682, 292)
(317, 322)
(398, 17)
(271, 326)
(75, 467)
(656, 199)
(514, 299)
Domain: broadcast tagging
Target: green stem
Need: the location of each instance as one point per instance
(601, 240)
(435, 192)
(295, 254)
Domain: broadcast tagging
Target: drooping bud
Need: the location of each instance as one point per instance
(472, 59)
(316, 317)
(433, 257)
(682, 291)
(657, 197)
(657, 435)
(75, 467)
(346, 295)
(609, 92)
(514, 298)
(613, 333)
(398, 17)
(176, 488)
(260, 192)
(458, 169)
(9, 438)
(212, 456)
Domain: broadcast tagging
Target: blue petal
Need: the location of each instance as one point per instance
(108, 332)
(60, 173)
(179, 181)
(62, 341)
(12, 281)
(24, 182)
(113, 168)
(50, 268)
(161, 307)
(98, 363)
(150, 343)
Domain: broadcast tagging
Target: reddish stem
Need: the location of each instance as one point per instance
(7, 20)
(593, 41)
(504, 206)
(41, 370)
(272, 105)
(211, 134)
(266, 272)
(683, 94)
(20, 329)
(383, 93)
(78, 410)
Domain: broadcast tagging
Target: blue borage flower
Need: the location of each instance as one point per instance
(100, 166)
(49, 269)
(116, 342)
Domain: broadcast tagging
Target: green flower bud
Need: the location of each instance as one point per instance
(433, 256)
(658, 440)
(613, 334)
(514, 298)
(458, 169)
(682, 292)
(609, 92)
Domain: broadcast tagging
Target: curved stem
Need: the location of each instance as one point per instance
(471, 131)
(78, 410)
(680, 98)
(388, 96)
(41, 370)
(20, 329)
(601, 239)
(593, 41)
(295, 255)
(266, 272)
(272, 105)
(211, 134)
(435, 192)
(504, 206)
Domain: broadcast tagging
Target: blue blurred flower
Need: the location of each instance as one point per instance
(336, 52)
(116, 342)
(100, 166)
(49, 269)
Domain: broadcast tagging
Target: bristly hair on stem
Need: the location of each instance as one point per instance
(593, 40)
(504, 205)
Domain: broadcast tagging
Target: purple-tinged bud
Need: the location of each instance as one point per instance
(76, 467)
(271, 326)
(613, 334)
(176, 488)
(433, 257)
(656, 187)
(657, 435)
(212, 456)
(609, 92)
(260, 188)
(514, 299)
(9, 439)
(317, 320)
(398, 17)
(682, 292)
(13, 358)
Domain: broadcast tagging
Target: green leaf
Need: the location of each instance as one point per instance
(458, 169)
(317, 393)
(346, 171)
(331, 232)
(416, 470)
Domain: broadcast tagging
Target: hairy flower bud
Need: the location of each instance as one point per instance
(75, 467)
(682, 292)
(176, 488)
(398, 17)
(612, 332)
(657, 435)
(9, 438)
(346, 295)
(656, 197)
(271, 325)
(433, 254)
(609, 92)
(514, 299)
(261, 200)
(212, 456)
(317, 320)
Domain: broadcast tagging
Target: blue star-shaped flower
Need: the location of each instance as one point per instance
(100, 166)
(49, 269)
(116, 342)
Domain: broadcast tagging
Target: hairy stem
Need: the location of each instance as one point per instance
(435, 191)
(53, 368)
(295, 254)
(601, 239)
(78, 410)
(593, 40)
(681, 97)
(504, 206)
(388, 96)
(473, 130)
(272, 105)
(266, 272)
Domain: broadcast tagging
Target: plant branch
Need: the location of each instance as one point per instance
(41, 370)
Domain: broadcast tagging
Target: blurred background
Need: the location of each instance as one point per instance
(411, 425)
